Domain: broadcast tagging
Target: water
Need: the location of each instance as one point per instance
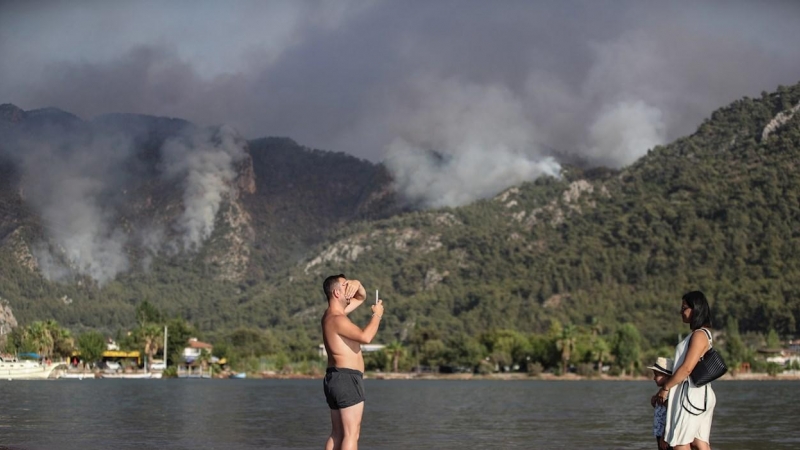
(400, 414)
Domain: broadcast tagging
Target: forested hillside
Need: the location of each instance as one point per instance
(596, 252)
(716, 211)
(283, 200)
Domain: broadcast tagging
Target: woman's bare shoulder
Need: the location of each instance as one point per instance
(700, 337)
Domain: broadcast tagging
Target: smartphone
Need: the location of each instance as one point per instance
(376, 296)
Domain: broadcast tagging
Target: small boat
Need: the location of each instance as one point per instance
(193, 372)
(239, 375)
(135, 375)
(13, 369)
(78, 375)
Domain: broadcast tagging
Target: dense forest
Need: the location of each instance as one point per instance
(577, 270)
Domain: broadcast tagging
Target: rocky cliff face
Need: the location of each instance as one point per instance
(7, 320)
(230, 253)
(16, 245)
(778, 121)
(246, 176)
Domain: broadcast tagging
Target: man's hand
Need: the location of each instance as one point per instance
(377, 309)
(662, 444)
(354, 289)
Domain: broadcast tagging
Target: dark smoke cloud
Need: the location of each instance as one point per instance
(497, 88)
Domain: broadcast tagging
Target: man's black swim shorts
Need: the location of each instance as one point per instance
(343, 387)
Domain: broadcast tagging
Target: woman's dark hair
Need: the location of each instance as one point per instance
(701, 312)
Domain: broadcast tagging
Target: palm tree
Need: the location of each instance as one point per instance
(151, 337)
(40, 338)
(600, 351)
(63, 342)
(396, 351)
(566, 344)
(204, 359)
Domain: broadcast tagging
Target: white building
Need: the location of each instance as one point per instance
(194, 348)
(365, 348)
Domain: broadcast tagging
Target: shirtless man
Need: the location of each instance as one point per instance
(343, 385)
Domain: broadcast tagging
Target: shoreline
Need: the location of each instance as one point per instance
(795, 376)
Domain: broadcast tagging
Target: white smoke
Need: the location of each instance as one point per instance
(204, 160)
(67, 179)
(482, 138)
(624, 132)
(76, 181)
(151, 238)
(491, 136)
(83, 229)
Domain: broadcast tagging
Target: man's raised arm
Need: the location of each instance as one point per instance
(344, 327)
(355, 291)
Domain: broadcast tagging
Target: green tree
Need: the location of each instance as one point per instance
(734, 346)
(506, 347)
(91, 346)
(773, 340)
(204, 359)
(178, 333)
(464, 350)
(395, 351)
(566, 345)
(433, 353)
(147, 313)
(151, 338)
(250, 342)
(627, 347)
(40, 339)
(600, 351)
(63, 342)
(544, 351)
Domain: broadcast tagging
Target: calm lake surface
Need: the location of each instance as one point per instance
(400, 414)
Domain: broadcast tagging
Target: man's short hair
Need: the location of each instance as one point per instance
(330, 284)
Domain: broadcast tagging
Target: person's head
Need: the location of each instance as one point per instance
(332, 283)
(695, 310)
(662, 370)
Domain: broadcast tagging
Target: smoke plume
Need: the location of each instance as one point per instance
(68, 178)
(463, 142)
(78, 180)
(205, 162)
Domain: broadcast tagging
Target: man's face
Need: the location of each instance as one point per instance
(340, 289)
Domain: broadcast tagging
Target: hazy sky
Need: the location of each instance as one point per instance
(498, 87)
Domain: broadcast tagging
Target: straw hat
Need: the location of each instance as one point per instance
(663, 365)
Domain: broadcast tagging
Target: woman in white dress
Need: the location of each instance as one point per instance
(690, 408)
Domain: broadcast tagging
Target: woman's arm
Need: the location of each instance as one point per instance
(697, 348)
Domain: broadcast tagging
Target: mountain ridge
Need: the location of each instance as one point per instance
(716, 210)
(250, 239)
(694, 214)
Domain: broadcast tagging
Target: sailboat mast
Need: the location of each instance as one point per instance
(165, 346)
